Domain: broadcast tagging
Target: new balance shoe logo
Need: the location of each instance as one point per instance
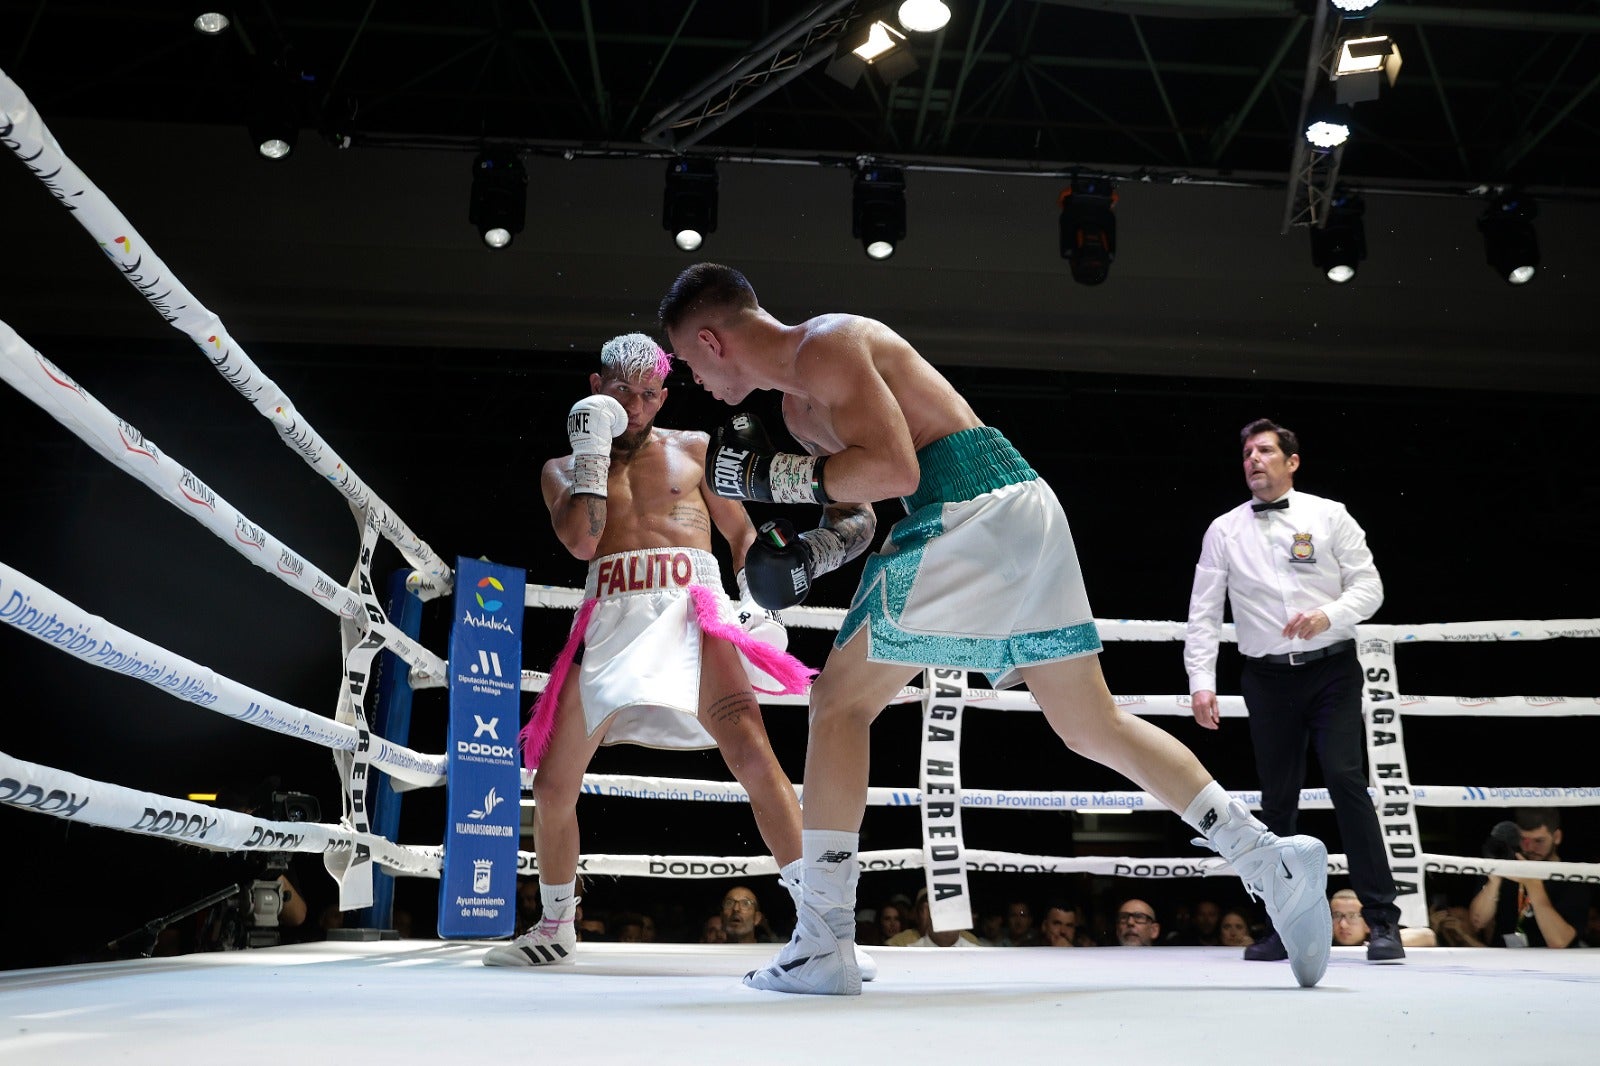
(835, 856)
(1208, 821)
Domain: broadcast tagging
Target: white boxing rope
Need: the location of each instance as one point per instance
(634, 786)
(24, 132)
(38, 611)
(45, 790)
(49, 387)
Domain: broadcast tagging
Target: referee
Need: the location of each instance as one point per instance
(1299, 576)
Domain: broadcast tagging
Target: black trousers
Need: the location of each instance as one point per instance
(1318, 705)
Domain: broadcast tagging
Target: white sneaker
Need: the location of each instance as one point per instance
(1290, 875)
(546, 943)
(815, 962)
(789, 878)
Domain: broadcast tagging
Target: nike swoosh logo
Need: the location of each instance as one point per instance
(787, 966)
(1287, 876)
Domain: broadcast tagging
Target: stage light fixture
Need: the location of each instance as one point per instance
(499, 197)
(689, 203)
(873, 42)
(274, 123)
(1340, 244)
(1089, 228)
(1355, 8)
(923, 16)
(211, 23)
(1509, 242)
(1363, 66)
(878, 209)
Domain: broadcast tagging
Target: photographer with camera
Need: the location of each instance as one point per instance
(1520, 912)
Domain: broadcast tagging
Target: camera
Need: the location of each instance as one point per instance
(1504, 841)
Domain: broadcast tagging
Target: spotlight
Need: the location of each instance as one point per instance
(689, 204)
(1355, 8)
(499, 197)
(878, 209)
(923, 16)
(1509, 242)
(1363, 66)
(274, 123)
(875, 43)
(211, 23)
(1328, 126)
(1088, 228)
(1340, 243)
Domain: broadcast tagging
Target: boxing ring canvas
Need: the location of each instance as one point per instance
(431, 1002)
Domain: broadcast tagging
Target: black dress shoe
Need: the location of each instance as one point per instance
(1270, 949)
(1383, 943)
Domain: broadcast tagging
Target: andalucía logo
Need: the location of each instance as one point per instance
(490, 605)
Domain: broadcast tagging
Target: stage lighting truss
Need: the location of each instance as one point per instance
(499, 197)
(1089, 228)
(1510, 244)
(878, 209)
(1340, 244)
(689, 202)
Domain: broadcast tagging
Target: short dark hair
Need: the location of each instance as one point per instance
(1287, 439)
(1530, 818)
(705, 285)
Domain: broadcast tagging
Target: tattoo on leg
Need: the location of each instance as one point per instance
(730, 708)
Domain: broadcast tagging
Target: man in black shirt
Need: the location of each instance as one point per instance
(1525, 912)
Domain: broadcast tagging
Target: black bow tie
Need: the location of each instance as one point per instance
(1276, 505)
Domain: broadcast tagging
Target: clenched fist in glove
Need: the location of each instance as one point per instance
(742, 465)
(591, 425)
(780, 566)
(764, 625)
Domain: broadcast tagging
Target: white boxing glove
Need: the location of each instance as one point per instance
(591, 425)
(766, 626)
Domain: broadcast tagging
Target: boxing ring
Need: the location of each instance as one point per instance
(423, 1000)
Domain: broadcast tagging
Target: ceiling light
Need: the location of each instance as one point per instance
(923, 16)
(882, 38)
(499, 201)
(1325, 134)
(1340, 244)
(1363, 66)
(1509, 242)
(878, 209)
(689, 203)
(1088, 228)
(211, 22)
(1355, 6)
(872, 43)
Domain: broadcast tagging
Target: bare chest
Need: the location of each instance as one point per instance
(812, 425)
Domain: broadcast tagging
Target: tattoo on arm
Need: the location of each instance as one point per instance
(693, 517)
(595, 506)
(854, 523)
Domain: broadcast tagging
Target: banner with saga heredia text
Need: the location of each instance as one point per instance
(478, 882)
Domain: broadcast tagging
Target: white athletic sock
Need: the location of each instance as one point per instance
(560, 901)
(830, 876)
(1227, 824)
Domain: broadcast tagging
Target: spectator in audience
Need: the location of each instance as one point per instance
(1059, 929)
(1526, 911)
(1350, 926)
(1020, 931)
(1452, 926)
(742, 918)
(924, 935)
(712, 932)
(629, 928)
(1203, 927)
(1233, 928)
(1136, 924)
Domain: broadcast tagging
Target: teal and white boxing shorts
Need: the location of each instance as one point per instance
(981, 574)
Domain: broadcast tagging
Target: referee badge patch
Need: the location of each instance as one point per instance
(1303, 551)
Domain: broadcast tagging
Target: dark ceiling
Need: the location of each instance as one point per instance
(1490, 91)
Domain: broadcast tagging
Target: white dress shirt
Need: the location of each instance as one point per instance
(1273, 565)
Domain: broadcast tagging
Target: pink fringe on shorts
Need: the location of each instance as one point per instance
(790, 673)
(535, 736)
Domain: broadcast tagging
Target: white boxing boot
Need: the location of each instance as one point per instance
(789, 877)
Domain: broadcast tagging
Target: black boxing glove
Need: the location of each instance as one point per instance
(741, 464)
(780, 566)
